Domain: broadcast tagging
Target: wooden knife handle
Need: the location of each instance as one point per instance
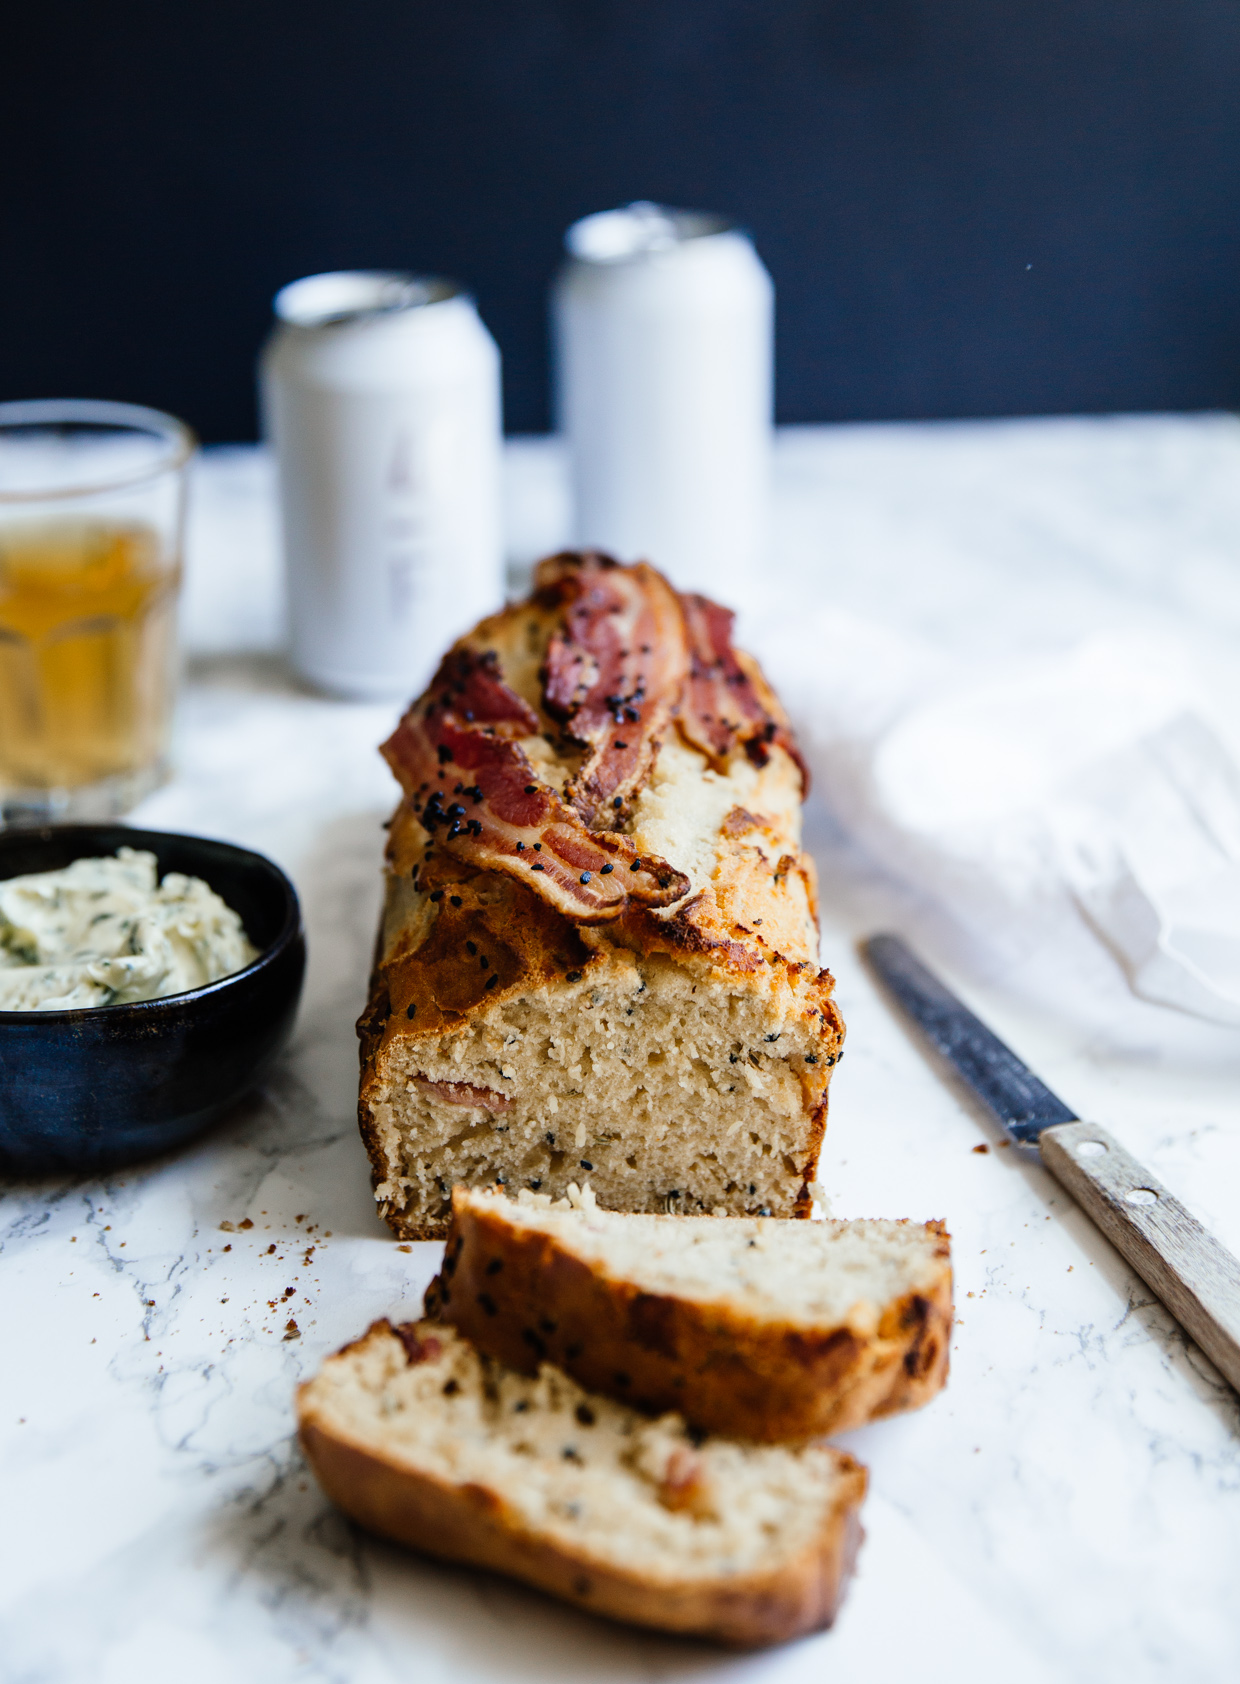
(1196, 1278)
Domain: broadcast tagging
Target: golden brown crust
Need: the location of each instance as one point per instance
(523, 1298)
(473, 1524)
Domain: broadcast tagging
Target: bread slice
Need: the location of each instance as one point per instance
(423, 1439)
(673, 1045)
(758, 1329)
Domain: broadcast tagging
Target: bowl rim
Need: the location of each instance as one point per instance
(291, 927)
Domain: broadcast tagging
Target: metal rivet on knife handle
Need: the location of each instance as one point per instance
(1195, 1277)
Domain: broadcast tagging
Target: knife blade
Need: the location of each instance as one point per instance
(1196, 1277)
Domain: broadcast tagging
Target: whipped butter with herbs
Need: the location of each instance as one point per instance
(104, 932)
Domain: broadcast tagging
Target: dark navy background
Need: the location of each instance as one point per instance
(970, 207)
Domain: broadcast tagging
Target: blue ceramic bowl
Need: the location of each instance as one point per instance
(89, 1090)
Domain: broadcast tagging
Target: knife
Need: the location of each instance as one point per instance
(1195, 1277)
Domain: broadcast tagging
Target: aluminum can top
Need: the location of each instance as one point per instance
(377, 331)
(640, 230)
(344, 296)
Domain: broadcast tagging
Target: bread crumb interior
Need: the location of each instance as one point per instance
(592, 1475)
(669, 1088)
(830, 1272)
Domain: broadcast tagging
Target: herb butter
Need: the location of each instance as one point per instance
(104, 932)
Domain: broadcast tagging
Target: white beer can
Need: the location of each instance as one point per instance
(664, 333)
(381, 395)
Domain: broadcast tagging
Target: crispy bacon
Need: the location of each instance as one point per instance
(462, 1093)
(470, 684)
(722, 706)
(612, 674)
(417, 1349)
(472, 785)
(686, 1483)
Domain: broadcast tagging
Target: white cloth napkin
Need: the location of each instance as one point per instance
(1048, 804)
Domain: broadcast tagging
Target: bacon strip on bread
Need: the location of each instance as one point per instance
(725, 704)
(471, 784)
(612, 674)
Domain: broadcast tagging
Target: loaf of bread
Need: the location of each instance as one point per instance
(424, 1440)
(599, 952)
(749, 1327)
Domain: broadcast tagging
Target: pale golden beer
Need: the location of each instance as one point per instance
(87, 652)
(91, 505)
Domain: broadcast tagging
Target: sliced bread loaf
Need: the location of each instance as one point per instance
(599, 948)
(757, 1328)
(422, 1438)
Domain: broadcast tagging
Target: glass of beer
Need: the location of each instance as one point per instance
(92, 511)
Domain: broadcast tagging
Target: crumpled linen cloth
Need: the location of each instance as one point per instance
(1052, 805)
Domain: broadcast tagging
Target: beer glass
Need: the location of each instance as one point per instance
(92, 506)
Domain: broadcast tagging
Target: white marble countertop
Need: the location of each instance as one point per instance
(1067, 1510)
